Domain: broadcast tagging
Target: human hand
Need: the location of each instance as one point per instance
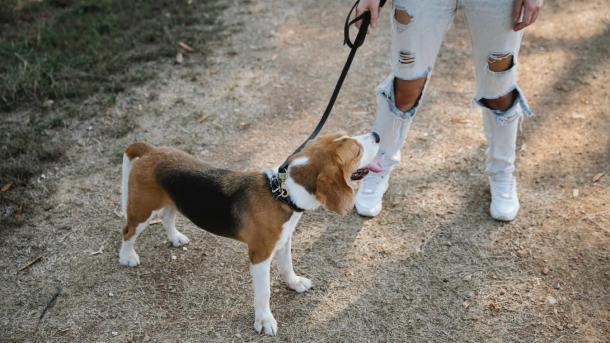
(368, 5)
(525, 13)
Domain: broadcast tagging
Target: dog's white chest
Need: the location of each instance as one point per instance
(287, 229)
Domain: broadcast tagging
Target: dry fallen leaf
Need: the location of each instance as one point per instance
(203, 118)
(563, 88)
(597, 177)
(495, 307)
(179, 58)
(48, 103)
(458, 120)
(185, 46)
(466, 303)
(5, 187)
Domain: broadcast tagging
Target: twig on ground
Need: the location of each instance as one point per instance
(47, 307)
(167, 34)
(97, 252)
(29, 264)
(591, 215)
(596, 223)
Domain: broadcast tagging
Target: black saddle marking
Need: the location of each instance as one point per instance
(204, 199)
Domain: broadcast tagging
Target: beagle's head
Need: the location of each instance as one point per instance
(328, 169)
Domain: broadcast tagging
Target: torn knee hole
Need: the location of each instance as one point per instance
(502, 103)
(408, 92)
(500, 62)
(402, 16)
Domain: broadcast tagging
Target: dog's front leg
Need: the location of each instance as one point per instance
(284, 263)
(263, 319)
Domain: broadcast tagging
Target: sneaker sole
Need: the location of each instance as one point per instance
(503, 217)
(369, 213)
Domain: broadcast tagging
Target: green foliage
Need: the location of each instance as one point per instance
(72, 49)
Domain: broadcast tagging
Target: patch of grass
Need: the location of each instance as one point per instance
(71, 49)
(26, 150)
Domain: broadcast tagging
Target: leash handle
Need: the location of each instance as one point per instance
(364, 26)
(354, 45)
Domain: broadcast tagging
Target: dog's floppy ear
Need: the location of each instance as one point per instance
(348, 154)
(333, 187)
(333, 191)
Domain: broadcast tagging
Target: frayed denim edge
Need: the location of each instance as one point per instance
(386, 89)
(519, 107)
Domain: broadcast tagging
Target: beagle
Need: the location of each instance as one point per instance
(260, 209)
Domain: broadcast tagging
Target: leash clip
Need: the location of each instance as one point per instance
(278, 187)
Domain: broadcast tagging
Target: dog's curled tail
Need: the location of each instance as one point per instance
(135, 150)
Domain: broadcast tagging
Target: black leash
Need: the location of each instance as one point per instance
(354, 45)
(276, 182)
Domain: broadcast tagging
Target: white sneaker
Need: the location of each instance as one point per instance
(504, 200)
(370, 194)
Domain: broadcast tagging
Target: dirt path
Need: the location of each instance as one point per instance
(432, 267)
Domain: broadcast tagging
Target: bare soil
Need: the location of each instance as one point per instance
(433, 266)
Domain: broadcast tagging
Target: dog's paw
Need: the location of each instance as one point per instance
(266, 323)
(179, 239)
(129, 258)
(300, 284)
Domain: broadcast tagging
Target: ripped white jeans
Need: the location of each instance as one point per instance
(415, 46)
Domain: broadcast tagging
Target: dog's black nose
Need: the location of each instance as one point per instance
(376, 137)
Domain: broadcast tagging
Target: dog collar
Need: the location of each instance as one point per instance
(277, 185)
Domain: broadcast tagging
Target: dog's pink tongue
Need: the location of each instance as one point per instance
(375, 166)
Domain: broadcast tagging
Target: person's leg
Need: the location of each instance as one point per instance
(418, 28)
(495, 52)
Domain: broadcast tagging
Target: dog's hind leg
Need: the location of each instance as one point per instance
(127, 255)
(168, 216)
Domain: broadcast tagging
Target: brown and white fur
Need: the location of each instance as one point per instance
(162, 181)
